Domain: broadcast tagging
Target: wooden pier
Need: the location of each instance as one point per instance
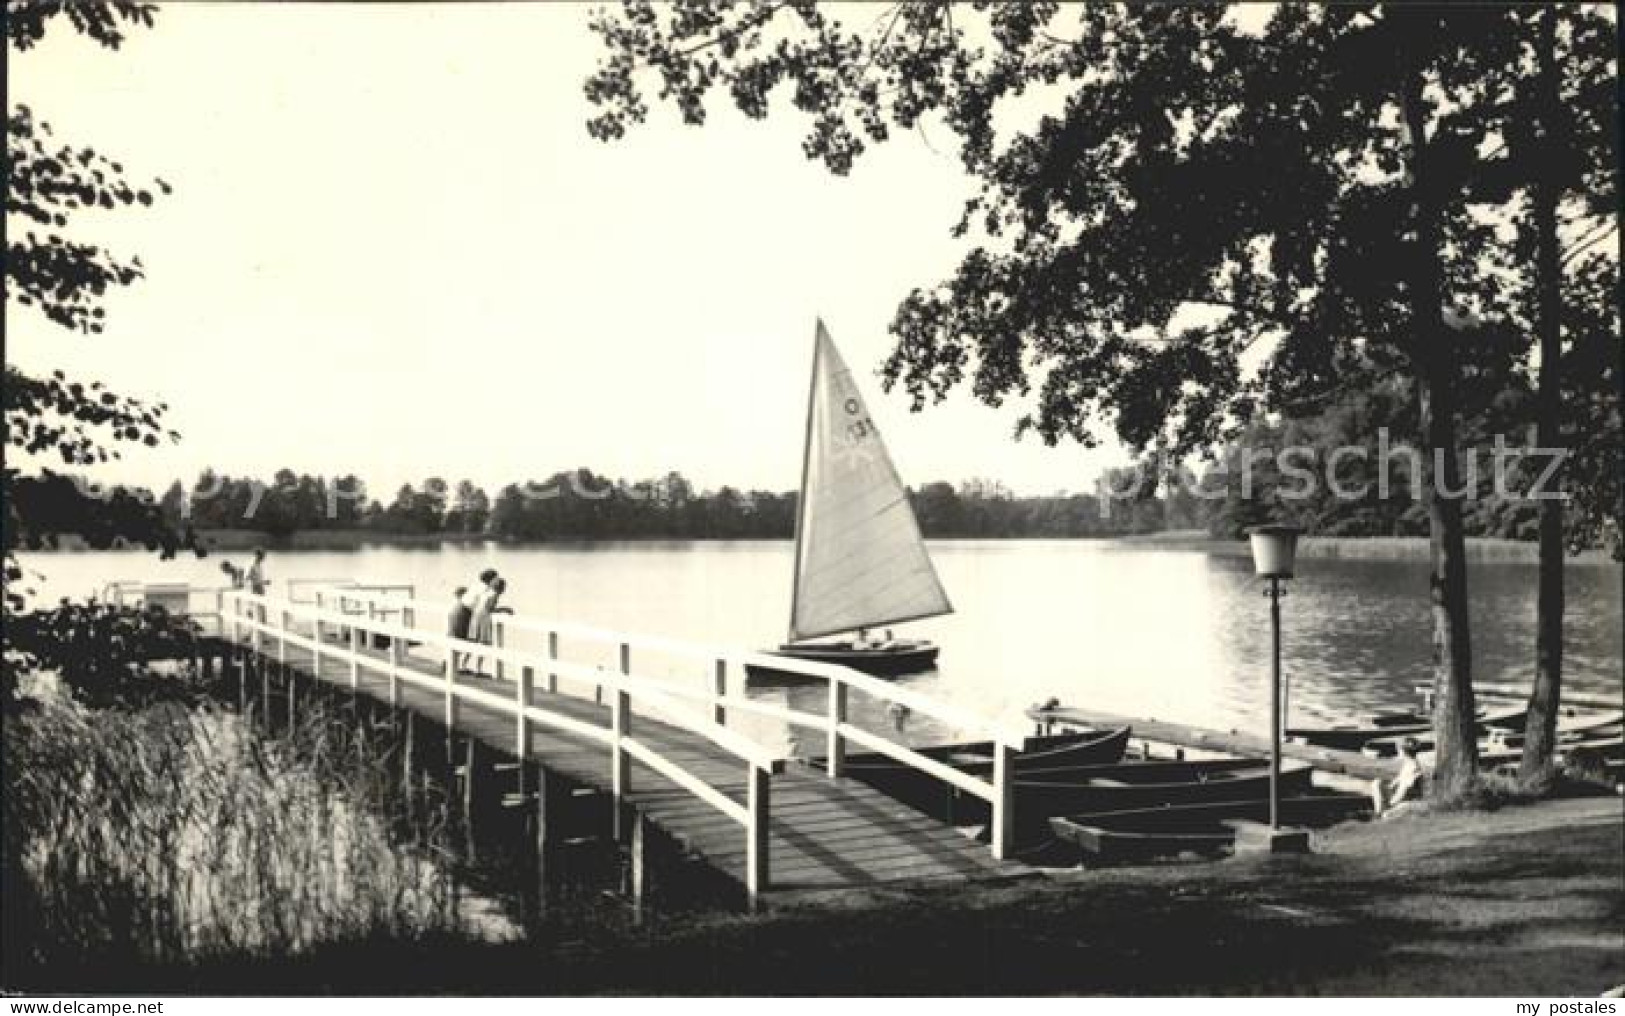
(662, 749)
(1228, 742)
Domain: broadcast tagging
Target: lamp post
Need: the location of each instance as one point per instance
(1274, 551)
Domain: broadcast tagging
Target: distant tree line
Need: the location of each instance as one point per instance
(1350, 472)
(1354, 470)
(583, 505)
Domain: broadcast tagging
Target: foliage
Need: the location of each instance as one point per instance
(1591, 422)
(50, 183)
(1196, 184)
(583, 505)
(101, 20)
(102, 652)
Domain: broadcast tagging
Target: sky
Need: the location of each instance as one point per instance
(393, 250)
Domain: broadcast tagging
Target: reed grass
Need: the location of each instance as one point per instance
(180, 835)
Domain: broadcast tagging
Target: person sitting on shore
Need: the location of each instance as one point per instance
(1410, 781)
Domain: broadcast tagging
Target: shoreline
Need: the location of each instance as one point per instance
(1373, 911)
(1482, 550)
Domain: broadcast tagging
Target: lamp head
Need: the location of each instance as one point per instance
(1275, 549)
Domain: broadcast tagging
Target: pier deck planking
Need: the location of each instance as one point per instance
(824, 833)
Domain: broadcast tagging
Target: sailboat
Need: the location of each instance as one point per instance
(860, 561)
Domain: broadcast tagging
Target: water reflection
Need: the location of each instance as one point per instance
(1174, 633)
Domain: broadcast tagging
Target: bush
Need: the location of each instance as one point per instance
(103, 652)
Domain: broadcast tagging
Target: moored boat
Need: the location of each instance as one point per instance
(860, 561)
(1145, 833)
(1353, 736)
(1068, 790)
(1498, 724)
(924, 792)
(1390, 729)
(894, 658)
(1044, 752)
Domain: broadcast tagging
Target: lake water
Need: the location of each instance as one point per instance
(1128, 627)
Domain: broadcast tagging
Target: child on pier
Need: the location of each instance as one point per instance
(457, 620)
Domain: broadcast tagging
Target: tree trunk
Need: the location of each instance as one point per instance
(1540, 731)
(1438, 368)
(1454, 725)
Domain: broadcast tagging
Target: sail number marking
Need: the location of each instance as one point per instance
(861, 427)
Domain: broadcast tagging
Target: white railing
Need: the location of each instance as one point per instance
(175, 597)
(721, 698)
(278, 620)
(316, 586)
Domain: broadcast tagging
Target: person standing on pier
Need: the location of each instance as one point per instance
(256, 573)
(460, 622)
(481, 628)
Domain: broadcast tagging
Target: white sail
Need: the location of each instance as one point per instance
(860, 560)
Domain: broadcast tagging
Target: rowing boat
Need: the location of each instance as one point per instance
(1071, 790)
(1144, 833)
(927, 793)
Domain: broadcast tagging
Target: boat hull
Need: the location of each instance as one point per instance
(1042, 793)
(1145, 834)
(894, 660)
(932, 796)
(1384, 732)
(1502, 723)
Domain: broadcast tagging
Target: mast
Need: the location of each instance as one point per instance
(801, 498)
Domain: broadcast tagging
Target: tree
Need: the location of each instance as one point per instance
(1196, 186)
(1563, 149)
(470, 509)
(80, 423)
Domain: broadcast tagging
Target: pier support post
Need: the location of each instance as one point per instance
(396, 660)
(758, 803)
(620, 729)
(450, 673)
(547, 819)
(409, 752)
(835, 751)
(471, 788)
(552, 654)
(264, 667)
(1003, 833)
(620, 762)
(282, 639)
(355, 658)
(290, 680)
(242, 681)
(521, 734)
(719, 691)
(500, 638)
(640, 866)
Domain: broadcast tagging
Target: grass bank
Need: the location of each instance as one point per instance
(1527, 900)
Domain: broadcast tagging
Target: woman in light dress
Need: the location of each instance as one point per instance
(487, 601)
(462, 616)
